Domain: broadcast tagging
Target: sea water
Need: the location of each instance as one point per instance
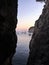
(22, 49)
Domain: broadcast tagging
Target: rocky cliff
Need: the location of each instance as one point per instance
(39, 44)
(8, 38)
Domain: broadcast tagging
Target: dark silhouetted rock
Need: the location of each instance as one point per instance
(40, 0)
(8, 38)
(39, 44)
(31, 29)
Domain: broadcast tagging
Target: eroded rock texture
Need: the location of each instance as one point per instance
(8, 38)
(39, 44)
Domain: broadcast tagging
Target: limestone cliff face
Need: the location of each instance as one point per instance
(39, 44)
(8, 38)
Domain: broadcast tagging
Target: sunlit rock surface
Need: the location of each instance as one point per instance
(8, 38)
(39, 44)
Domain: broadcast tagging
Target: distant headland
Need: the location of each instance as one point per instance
(31, 29)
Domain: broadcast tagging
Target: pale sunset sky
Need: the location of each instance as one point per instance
(28, 12)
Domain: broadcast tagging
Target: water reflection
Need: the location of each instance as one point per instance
(22, 50)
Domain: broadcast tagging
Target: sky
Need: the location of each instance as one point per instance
(28, 12)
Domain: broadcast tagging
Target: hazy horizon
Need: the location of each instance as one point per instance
(28, 12)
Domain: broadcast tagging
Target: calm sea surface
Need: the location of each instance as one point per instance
(22, 50)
